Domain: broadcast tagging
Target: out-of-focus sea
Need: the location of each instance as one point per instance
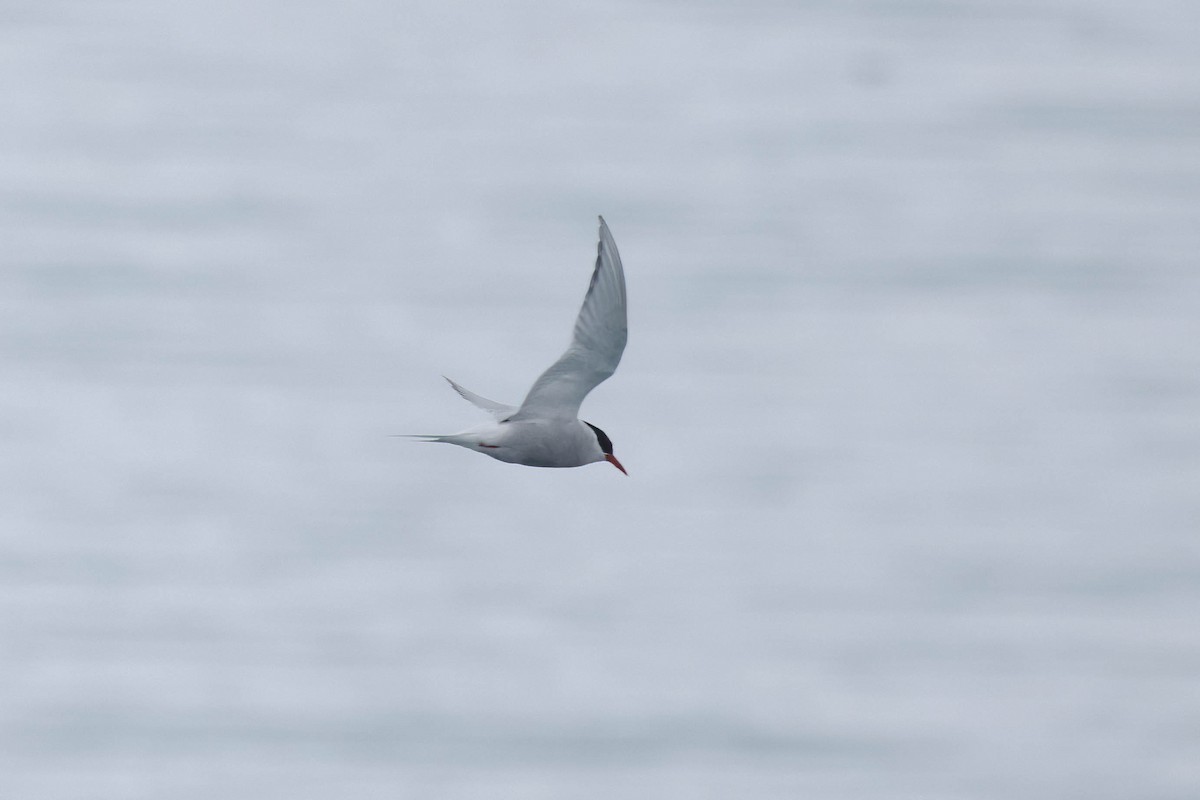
(911, 403)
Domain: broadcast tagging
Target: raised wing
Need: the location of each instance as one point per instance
(497, 410)
(596, 346)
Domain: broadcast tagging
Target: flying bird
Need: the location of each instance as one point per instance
(545, 431)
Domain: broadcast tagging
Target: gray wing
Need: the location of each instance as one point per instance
(596, 346)
(497, 410)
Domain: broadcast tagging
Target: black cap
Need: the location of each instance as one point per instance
(602, 438)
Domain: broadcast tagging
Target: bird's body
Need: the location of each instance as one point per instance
(534, 443)
(544, 431)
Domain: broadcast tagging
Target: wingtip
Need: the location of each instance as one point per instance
(458, 389)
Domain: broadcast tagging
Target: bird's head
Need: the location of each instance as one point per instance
(606, 447)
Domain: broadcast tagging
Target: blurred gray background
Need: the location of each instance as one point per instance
(911, 403)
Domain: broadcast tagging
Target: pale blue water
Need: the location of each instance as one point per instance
(911, 404)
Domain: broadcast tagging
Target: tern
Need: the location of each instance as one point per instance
(545, 431)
